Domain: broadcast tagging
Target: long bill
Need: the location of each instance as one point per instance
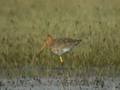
(34, 57)
(41, 49)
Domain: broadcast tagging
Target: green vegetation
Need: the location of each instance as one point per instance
(24, 25)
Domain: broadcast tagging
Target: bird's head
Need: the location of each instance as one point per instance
(48, 41)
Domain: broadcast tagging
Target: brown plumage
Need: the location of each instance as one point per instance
(59, 46)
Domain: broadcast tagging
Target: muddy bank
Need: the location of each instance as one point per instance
(37, 83)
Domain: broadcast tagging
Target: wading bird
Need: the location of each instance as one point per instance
(59, 46)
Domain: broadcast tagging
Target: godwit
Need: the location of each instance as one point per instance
(59, 46)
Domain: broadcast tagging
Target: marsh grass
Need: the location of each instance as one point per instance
(25, 23)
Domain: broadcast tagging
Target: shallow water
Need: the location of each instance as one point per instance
(37, 83)
(84, 81)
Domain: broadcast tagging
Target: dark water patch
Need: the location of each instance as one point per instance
(33, 71)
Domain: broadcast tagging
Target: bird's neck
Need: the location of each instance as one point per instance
(50, 42)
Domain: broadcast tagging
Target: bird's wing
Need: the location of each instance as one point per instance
(65, 43)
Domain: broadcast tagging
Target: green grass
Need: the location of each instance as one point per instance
(25, 23)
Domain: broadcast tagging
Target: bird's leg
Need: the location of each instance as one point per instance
(61, 60)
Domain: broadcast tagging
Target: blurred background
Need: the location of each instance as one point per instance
(24, 25)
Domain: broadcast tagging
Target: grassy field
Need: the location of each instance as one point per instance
(24, 25)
